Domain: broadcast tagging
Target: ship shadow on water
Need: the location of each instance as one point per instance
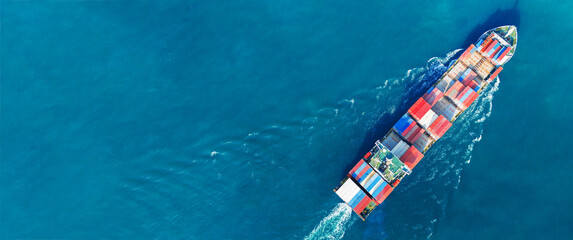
(416, 89)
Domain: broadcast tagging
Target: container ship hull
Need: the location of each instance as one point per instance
(393, 157)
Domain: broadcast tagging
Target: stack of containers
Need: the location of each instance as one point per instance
(433, 95)
(440, 126)
(404, 123)
(408, 129)
(400, 149)
(493, 50)
(454, 91)
(446, 108)
(372, 182)
(428, 118)
(483, 44)
(471, 83)
(494, 74)
(468, 51)
(419, 109)
(358, 169)
(411, 157)
(455, 71)
(391, 140)
(382, 193)
(348, 191)
(502, 55)
(444, 83)
(466, 97)
(485, 68)
(424, 142)
(362, 205)
(361, 196)
(489, 46)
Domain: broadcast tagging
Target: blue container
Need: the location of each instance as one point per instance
(356, 199)
(379, 189)
(403, 123)
(355, 174)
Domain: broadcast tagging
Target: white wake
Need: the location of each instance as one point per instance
(334, 225)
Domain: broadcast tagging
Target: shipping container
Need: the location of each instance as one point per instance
(400, 148)
(412, 157)
(451, 111)
(492, 50)
(419, 109)
(348, 190)
(358, 167)
(498, 53)
(370, 173)
(470, 99)
(494, 74)
(440, 126)
(403, 123)
(360, 207)
(375, 187)
(412, 134)
(415, 135)
(391, 140)
(456, 88)
(444, 83)
(467, 51)
(491, 45)
(486, 43)
(384, 193)
(428, 118)
(356, 199)
(439, 107)
(424, 142)
(380, 189)
(363, 174)
(504, 53)
(433, 95)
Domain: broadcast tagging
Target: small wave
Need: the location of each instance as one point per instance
(334, 225)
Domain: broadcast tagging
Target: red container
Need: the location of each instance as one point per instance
(367, 155)
(455, 90)
(411, 157)
(490, 46)
(495, 52)
(419, 109)
(357, 166)
(362, 204)
(443, 128)
(414, 134)
(495, 74)
(486, 43)
(385, 192)
(412, 126)
(438, 122)
(470, 99)
(504, 53)
(467, 51)
(361, 173)
(434, 96)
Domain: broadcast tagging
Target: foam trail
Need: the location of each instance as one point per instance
(334, 225)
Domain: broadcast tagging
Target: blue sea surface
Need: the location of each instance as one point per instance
(236, 119)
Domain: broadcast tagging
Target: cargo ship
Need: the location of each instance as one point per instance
(394, 156)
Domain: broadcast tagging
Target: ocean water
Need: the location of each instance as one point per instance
(236, 119)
